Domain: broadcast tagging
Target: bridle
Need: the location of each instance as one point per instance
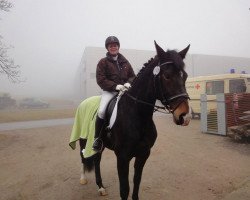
(165, 101)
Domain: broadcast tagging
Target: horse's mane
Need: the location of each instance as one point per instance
(149, 61)
(146, 66)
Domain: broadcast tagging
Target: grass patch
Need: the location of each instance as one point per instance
(35, 114)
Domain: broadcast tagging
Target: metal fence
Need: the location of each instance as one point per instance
(227, 110)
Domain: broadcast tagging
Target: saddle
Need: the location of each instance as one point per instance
(109, 120)
(110, 108)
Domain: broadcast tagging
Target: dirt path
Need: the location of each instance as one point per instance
(184, 164)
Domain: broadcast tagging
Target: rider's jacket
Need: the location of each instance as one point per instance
(110, 72)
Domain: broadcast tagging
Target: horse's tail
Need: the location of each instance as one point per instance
(89, 163)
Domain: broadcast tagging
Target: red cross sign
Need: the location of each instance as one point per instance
(197, 86)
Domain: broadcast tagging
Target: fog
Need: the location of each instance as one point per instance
(49, 36)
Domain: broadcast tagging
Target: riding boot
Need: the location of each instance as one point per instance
(98, 143)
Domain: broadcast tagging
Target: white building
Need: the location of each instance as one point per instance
(196, 65)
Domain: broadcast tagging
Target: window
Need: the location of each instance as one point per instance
(237, 86)
(214, 87)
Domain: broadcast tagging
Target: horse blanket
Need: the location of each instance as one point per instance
(84, 124)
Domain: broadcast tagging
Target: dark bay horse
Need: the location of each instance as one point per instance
(134, 133)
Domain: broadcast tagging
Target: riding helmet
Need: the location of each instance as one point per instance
(110, 40)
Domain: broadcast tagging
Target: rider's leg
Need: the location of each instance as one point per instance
(99, 126)
(98, 144)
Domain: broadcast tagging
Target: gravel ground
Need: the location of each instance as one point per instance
(38, 164)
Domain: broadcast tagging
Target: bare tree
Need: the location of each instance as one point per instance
(7, 65)
(5, 5)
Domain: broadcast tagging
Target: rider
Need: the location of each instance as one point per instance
(113, 74)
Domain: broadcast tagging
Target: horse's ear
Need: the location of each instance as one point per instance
(184, 52)
(159, 50)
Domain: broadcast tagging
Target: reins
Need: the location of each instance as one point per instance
(156, 107)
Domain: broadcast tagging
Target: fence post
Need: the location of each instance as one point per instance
(221, 113)
(203, 113)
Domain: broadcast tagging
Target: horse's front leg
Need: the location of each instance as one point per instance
(138, 168)
(123, 171)
(83, 178)
(98, 177)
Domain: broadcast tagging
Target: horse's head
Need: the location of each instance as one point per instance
(170, 79)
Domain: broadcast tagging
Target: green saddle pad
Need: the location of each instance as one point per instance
(84, 124)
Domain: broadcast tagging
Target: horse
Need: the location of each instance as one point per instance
(134, 133)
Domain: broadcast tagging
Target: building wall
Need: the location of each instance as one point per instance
(211, 64)
(196, 65)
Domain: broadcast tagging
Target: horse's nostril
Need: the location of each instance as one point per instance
(186, 119)
(181, 119)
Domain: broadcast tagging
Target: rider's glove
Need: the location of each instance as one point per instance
(127, 85)
(120, 88)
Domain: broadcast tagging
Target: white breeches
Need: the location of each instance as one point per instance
(105, 98)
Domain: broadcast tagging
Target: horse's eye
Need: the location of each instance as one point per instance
(166, 76)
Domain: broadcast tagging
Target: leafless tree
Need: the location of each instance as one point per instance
(5, 5)
(7, 65)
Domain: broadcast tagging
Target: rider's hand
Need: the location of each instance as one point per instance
(120, 88)
(127, 85)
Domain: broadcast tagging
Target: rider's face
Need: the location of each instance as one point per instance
(113, 49)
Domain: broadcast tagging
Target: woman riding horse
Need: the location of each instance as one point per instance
(134, 133)
(114, 73)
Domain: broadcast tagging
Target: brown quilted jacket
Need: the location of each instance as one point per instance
(110, 73)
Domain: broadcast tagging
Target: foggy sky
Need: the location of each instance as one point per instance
(49, 36)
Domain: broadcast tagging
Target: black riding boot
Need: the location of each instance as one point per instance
(98, 143)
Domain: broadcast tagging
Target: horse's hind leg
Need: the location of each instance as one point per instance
(83, 178)
(101, 191)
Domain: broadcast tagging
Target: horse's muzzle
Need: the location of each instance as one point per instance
(182, 115)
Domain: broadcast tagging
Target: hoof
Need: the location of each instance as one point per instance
(83, 181)
(102, 192)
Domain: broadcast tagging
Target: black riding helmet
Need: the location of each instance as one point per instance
(110, 40)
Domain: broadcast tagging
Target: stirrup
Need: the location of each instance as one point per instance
(97, 145)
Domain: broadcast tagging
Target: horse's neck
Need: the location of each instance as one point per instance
(144, 91)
